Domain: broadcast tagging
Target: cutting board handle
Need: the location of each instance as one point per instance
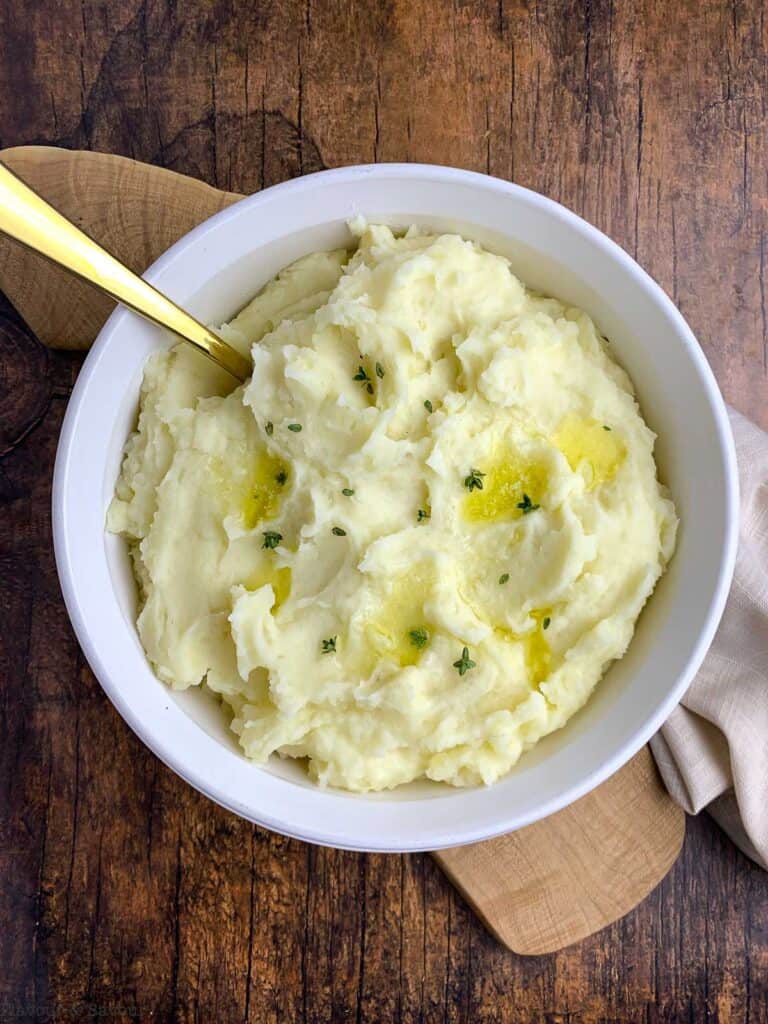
(136, 211)
(538, 889)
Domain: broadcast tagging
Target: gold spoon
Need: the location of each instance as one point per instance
(26, 217)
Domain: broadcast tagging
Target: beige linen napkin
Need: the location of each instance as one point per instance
(713, 749)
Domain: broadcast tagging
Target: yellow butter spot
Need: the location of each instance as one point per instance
(387, 634)
(538, 656)
(264, 489)
(586, 440)
(279, 580)
(536, 650)
(505, 484)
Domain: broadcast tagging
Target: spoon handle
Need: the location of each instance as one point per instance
(26, 217)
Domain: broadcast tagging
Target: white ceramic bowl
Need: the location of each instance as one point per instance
(213, 271)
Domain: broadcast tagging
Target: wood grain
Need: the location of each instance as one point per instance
(549, 885)
(564, 878)
(122, 891)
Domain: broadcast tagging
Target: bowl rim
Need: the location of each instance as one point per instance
(567, 795)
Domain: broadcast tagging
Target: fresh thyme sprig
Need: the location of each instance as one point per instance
(419, 637)
(271, 539)
(329, 646)
(474, 480)
(526, 505)
(362, 378)
(465, 663)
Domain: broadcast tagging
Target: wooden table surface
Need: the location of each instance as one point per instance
(124, 894)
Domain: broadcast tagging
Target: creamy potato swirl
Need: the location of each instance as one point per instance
(412, 543)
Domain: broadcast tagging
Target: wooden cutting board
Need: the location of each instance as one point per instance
(538, 889)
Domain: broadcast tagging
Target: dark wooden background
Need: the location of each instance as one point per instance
(123, 893)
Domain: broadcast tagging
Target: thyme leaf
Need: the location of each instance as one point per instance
(419, 637)
(465, 663)
(474, 480)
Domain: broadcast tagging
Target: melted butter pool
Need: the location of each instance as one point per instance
(388, 632)
(587, 441)
(506, 483)
(536, 650)
(264, 490)
(278, 579)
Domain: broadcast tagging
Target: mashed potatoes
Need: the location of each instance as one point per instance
(412, 543)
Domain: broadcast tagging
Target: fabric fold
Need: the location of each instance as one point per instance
(712, 751)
